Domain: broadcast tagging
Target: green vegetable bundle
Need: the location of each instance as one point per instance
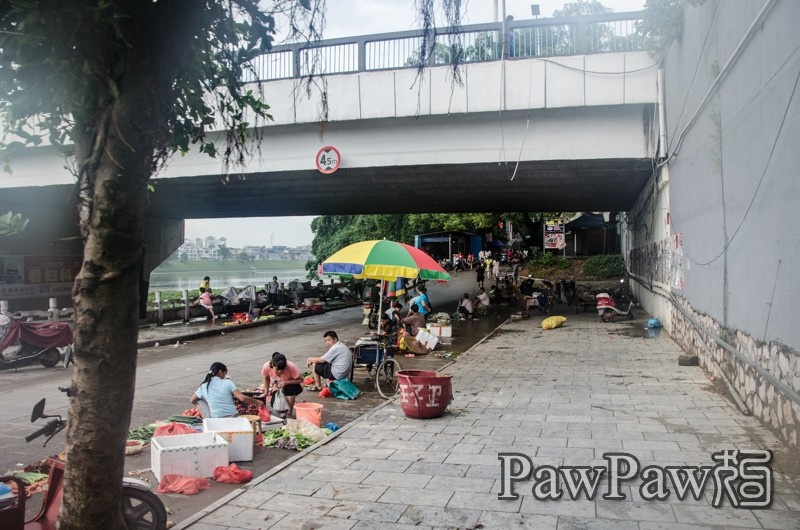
(143, 433)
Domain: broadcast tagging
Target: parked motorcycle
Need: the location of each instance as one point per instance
(620, 302)
(141, 508)
(25, 343)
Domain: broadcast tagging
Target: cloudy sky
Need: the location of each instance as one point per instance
(345, 18)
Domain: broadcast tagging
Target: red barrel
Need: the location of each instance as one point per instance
(424, 394)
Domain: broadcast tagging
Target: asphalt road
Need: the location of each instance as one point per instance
(167, 376)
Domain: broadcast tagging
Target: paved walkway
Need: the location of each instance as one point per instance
(563, 397)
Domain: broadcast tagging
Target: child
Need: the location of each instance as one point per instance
(204, 300)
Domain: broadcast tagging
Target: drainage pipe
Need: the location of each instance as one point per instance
(785, 389)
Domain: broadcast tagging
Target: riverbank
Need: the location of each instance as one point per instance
(207, 266)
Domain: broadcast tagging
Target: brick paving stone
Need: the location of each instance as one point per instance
(472, 484)
(350, 492)
(686, 513)
(635, 511)
(416, 496)
(517, 520)
(294, 521)
(584, 523)
(440, 517)
(406, 479)
(373, 464)
(374, 512)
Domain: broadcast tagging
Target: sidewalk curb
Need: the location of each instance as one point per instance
(219, 330)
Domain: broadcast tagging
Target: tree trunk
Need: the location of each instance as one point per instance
(115, 159)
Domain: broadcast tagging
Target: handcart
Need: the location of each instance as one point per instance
(377, 357)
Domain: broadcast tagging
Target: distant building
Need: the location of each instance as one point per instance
(208, 249)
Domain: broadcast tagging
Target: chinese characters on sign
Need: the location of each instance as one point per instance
(554, 234)
(34, 276)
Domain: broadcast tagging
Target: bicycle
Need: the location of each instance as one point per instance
(374, 354)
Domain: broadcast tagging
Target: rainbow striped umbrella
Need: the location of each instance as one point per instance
(384, 260)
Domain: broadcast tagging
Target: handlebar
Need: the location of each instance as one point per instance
(52, 427)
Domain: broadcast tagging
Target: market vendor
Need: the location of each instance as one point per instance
(282, 374)
(218, 392)
(336, 363)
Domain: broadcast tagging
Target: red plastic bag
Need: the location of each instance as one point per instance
(263, 414)
(170, 429)
(325, 392)
(232, 474)
(182, 484)
(308, 381)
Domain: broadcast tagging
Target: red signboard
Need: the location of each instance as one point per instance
(37, 276)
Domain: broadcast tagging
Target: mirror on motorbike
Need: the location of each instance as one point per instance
(38, 411)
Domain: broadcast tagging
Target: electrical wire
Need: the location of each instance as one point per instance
(694, 75)
(760, 180)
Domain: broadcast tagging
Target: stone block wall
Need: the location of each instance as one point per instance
(778, 407)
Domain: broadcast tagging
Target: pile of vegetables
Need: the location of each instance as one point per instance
(143, 433)
(283, 439)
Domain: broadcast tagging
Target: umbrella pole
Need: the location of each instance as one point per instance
(380, 307)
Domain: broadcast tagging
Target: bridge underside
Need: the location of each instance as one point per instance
(567, 185)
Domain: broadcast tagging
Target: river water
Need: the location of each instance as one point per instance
(220, 280)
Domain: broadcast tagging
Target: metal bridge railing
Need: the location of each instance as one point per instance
(615, 32)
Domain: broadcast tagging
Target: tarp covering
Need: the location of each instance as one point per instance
(587, 220)
(231, 294)
(40, 334)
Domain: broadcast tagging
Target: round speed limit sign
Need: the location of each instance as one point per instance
(328, 159)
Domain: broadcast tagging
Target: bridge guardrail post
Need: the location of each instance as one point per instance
(159, 309)
(186, 305)
(53, 309)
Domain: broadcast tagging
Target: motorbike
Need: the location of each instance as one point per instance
(141, 508)
(620, 302)
(25, 343)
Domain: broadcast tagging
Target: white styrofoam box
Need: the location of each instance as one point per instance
(237, 432)
(428, 340)
(190, 455)
(440, 331)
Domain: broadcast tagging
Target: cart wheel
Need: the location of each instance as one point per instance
(385, 380)
(143, 510)
(50, 357)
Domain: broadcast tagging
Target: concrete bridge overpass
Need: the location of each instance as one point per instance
(547, 128)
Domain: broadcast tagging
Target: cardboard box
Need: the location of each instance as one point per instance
(427, 339)
(441, 331)
(191, 455)
(238, 432)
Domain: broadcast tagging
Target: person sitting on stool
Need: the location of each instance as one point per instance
(465, 307)
(336, 363)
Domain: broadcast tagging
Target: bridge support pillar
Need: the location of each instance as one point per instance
(162, 237)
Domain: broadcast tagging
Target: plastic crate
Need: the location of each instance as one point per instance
(440, 331)
(238, 432)
(427, 339)
(191, 455)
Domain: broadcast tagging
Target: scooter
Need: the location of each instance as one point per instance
(141, 508)
(25, 343)
(617, 303)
